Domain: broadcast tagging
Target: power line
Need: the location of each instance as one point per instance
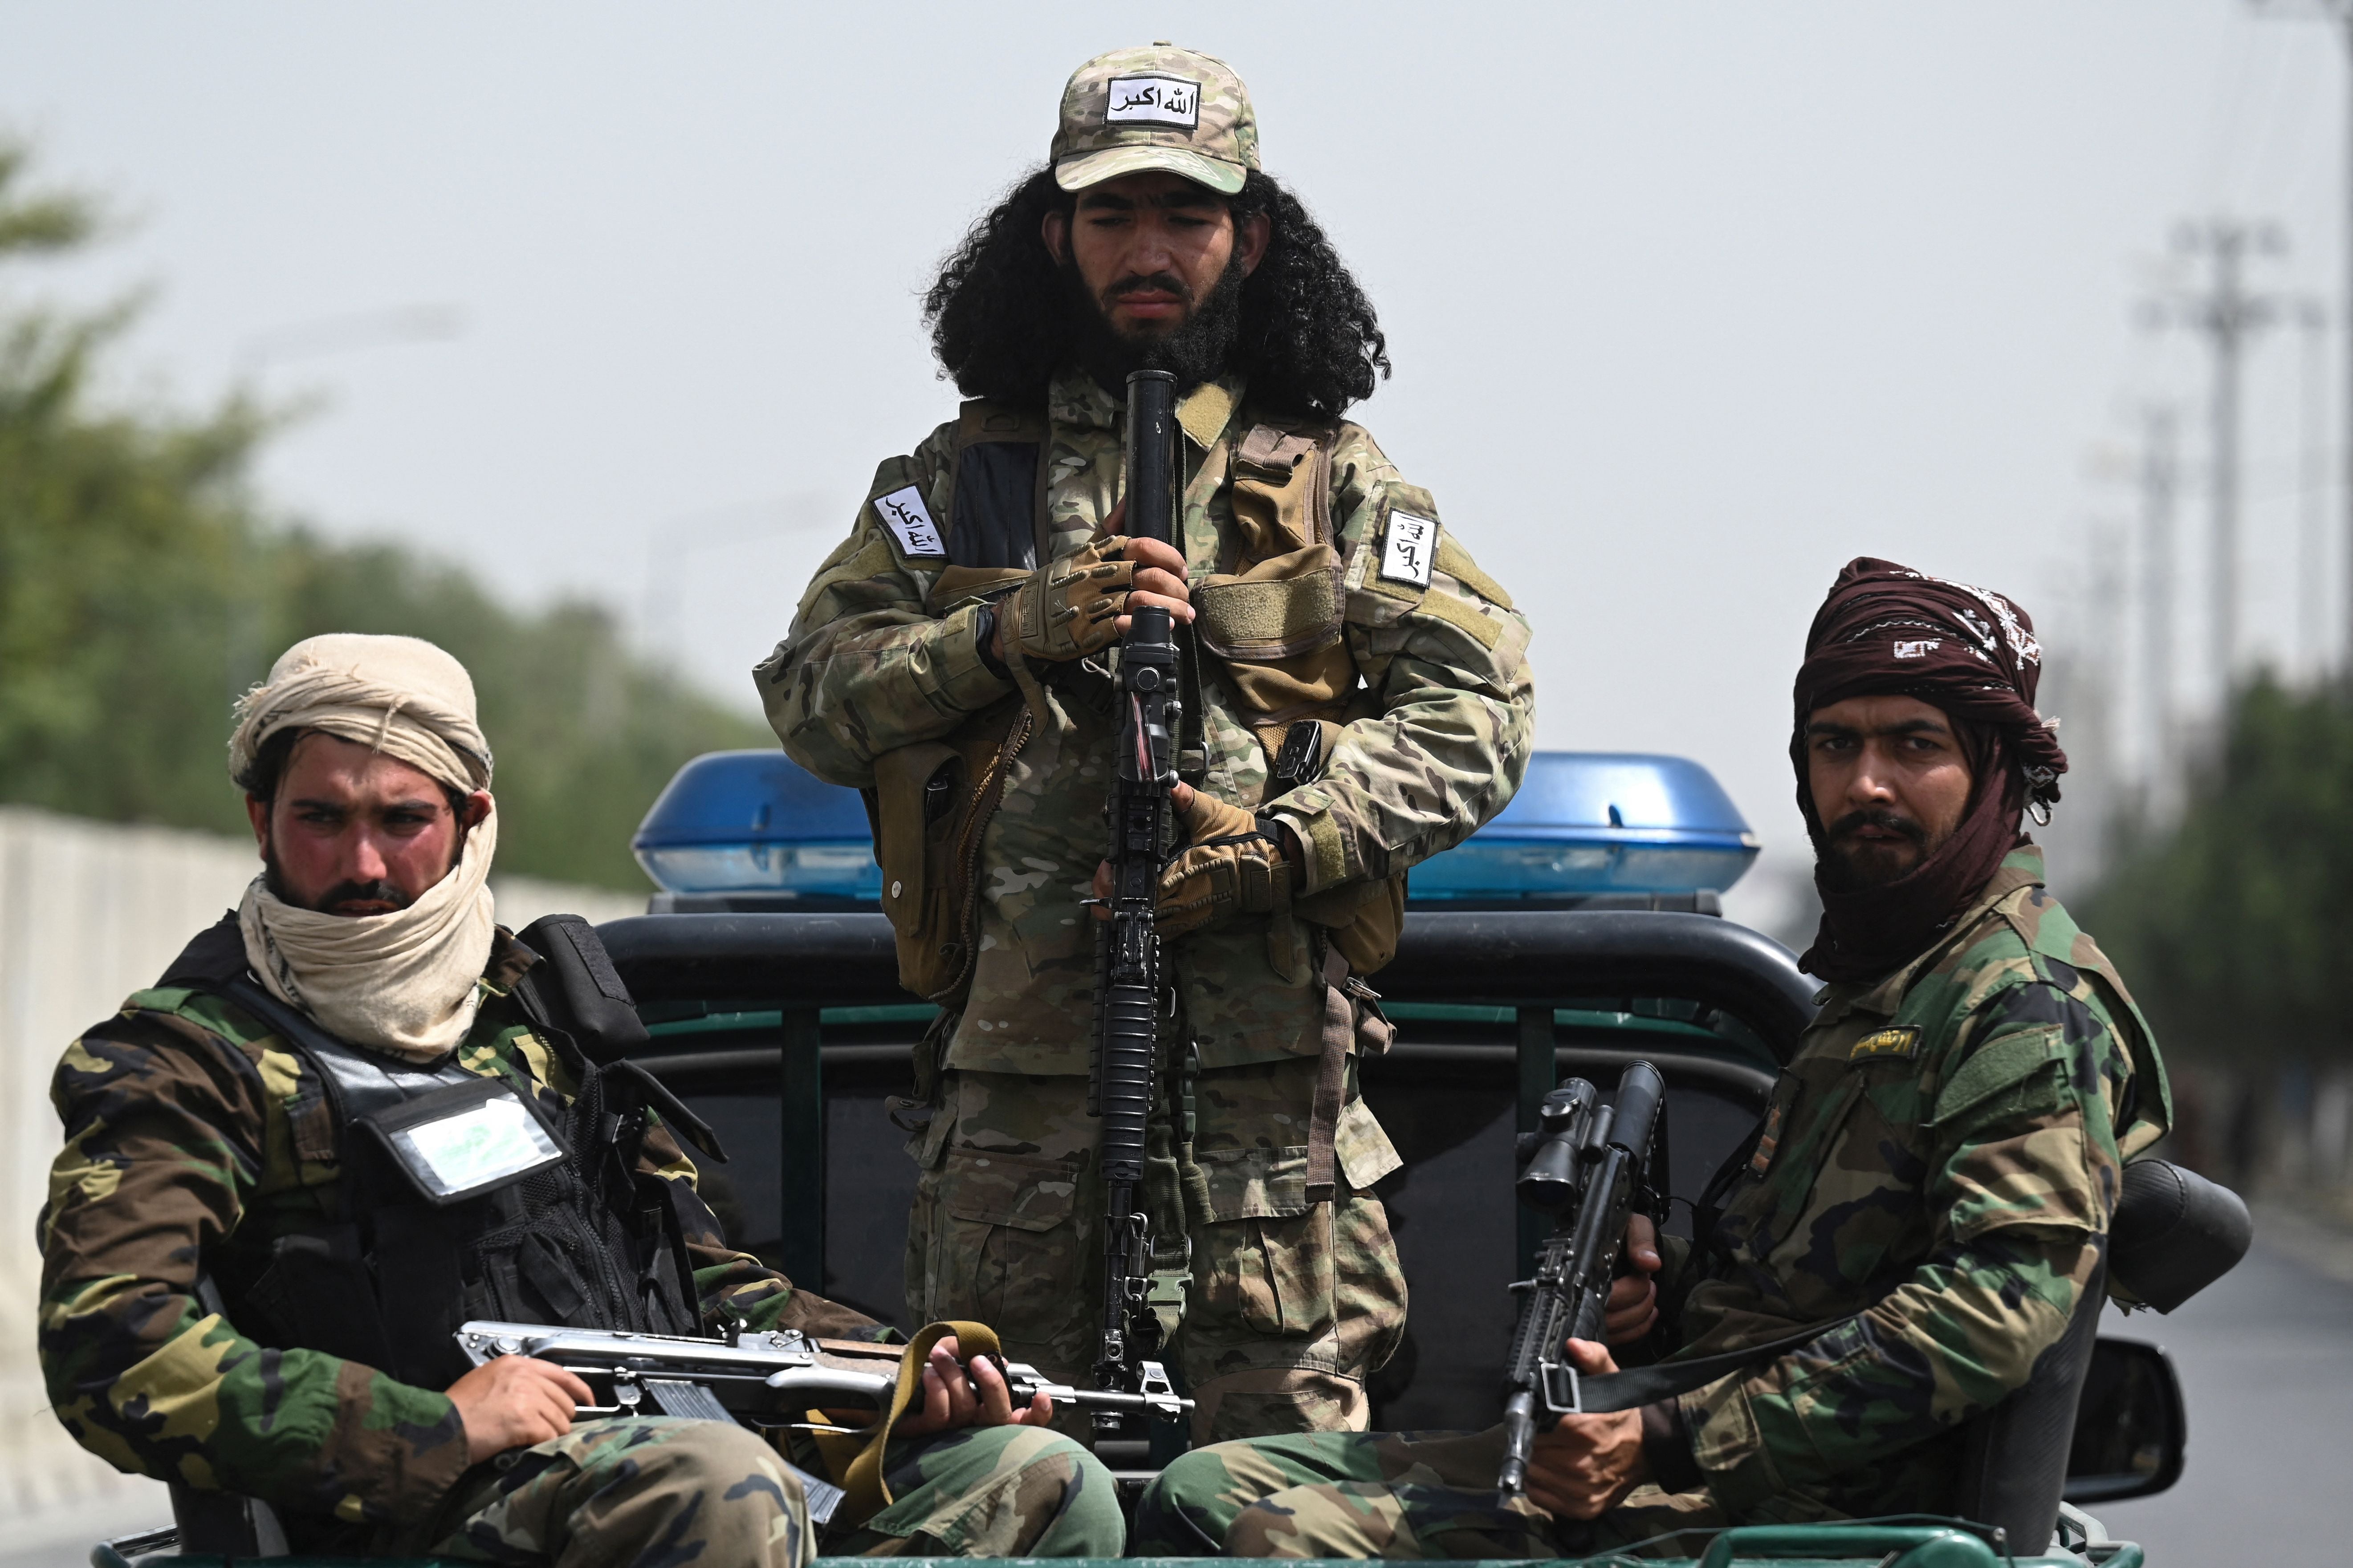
(670, 544)
(2339, 12)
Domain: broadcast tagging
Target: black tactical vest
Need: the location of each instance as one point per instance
(581, 1239)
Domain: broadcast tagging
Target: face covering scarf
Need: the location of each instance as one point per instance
(402, 983)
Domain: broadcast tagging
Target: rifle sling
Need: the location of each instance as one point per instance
(1641, 1385)
(868, 1492)
(1331, 1079)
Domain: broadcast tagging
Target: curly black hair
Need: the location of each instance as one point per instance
(1003, 315)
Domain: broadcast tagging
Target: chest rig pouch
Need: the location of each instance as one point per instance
(1275, 621)
(461, 1196)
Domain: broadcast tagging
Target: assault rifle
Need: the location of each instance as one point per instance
(1127, 949)
(762, 1379)
(1590, 1171)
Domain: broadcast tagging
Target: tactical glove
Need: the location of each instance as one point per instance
(1068, 608)
(1232, 868)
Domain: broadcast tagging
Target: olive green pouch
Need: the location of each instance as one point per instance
(931, 802)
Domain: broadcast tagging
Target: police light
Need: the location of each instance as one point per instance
(757, 823)
(1594, 823)
(757, 830)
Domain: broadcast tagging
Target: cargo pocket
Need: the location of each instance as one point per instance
(1015, 1258)
(1362, 1148)
(1368, 1284)
(1263, 1265)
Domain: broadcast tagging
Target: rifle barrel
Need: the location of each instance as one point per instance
(1127, 968)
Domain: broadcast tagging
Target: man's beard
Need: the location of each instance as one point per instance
(1199, 349)
(1845, 870)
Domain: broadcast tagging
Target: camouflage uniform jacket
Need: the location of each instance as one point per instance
(190, 1129)
(868, 667)
(1942, 1157)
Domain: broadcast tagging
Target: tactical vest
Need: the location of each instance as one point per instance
(1269, 624)
(456, 1195)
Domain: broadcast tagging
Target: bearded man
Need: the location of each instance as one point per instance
(1922, 1210)
(1356, 697)
(247, 1287)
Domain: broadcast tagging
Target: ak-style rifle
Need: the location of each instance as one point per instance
(771, 1379)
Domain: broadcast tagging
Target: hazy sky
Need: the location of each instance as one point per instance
(1689, 302)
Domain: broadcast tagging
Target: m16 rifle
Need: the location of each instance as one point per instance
(1590, 1170)
(1128, 949)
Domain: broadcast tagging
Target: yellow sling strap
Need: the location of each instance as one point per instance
(867, 1493)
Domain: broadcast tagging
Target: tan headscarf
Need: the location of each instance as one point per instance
(406, 981)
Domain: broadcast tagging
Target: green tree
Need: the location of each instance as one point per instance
(142, 581)
(2235, 925)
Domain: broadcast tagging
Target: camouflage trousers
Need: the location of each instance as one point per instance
(1387, 1494)
(663, 1490)
(1288, 1305)
(657, 1490)
(993, 1491)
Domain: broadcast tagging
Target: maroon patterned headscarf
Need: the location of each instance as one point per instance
(1887, 629)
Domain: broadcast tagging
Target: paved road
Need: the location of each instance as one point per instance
(2266, 1361)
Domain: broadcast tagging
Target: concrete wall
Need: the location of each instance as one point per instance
(90, 911)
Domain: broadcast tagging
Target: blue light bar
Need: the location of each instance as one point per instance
(759, 823)
(756, 827)
(1593, 823)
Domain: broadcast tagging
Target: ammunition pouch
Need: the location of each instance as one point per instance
(930, 804)
(1362, 921)
(1277, 630)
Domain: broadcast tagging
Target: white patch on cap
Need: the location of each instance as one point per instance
(902, 511)
(1154, 100)
(1920, 650)
(1409, 549)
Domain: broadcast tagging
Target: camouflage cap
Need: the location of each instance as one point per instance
(1157, 108)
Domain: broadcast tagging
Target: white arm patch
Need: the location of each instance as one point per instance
(1409, 549)
(902, 511)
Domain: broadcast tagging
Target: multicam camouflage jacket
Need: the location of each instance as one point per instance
(1937, 1166)
(191, 1131)
(1436, 741)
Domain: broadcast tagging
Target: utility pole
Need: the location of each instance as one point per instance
(2227, 316)
(2159, 473)
(2340, 12)
(2312, 483)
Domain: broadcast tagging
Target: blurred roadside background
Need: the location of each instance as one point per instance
(568, 337)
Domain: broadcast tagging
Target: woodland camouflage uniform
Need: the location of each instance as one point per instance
(1933, 1180)
(191, 1131)
(1290, 1304)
